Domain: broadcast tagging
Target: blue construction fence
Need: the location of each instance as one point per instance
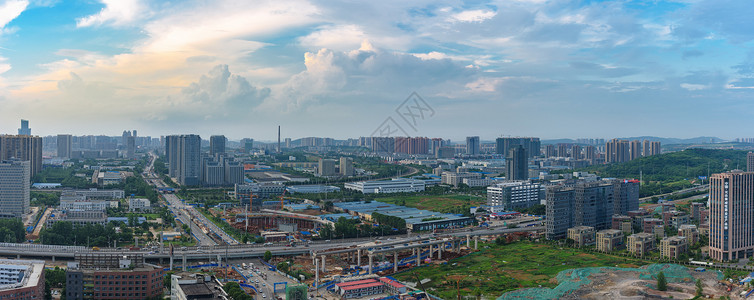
(193, 267)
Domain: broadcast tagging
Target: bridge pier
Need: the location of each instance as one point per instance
(184, 262)
(430, 251)
(439, 251)
(171, 263)
(395, 261)
(18, 256)
(370, 263)
(323, 264)
(418, 256)
(53, 258)
(358, 257)
(316, 273)
(468, 242)
(476, 242)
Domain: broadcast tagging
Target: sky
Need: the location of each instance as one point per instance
(336, 68)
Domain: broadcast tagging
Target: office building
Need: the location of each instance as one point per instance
(326, 167)
(24, 130)
(673, 247)
(517, 164)
(609, 239)
(14, 188)
(626, 196)
(193, 286)
(256, 192)
(77, 217)
(184, 158)
(346, 166)
(22, 279)
(582, 235)
(584, 204)
(640, 244)
(731, 206)
(558, 210)
(248, 145)
(396, 185)
(750, 162)
(456, 178)
(23, 147)
(65, 145)
(234, 172)
(593, 205)
(139, 204)
(531, 144)
(216, 145)
(617, 151)
(112, 276)
(472, 145)
(130, 147)
(515, 195)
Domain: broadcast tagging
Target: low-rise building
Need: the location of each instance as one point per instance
(514, 195)
(312, 189)
(609, 240)
(22, 279)
(623, 223)
(359, 288)
(696, 207)
(193, 286)
(673, 246)
(77, 217)
(139, 204)
(396, 185)
(582, 235)
(640, 244)
(649, 223)
(112, 276)
(456, 178)
(690, 233)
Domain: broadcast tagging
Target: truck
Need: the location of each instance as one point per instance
(95, 248)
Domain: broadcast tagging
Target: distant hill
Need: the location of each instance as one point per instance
(664, 141)
(669, 171)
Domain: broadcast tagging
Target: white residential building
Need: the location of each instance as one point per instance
(14, 188)
(514, 195)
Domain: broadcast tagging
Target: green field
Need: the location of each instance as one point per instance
(439, 203)
(501, 269)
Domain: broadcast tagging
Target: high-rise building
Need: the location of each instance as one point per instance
(562, 150)
(383, 144)
(559, 211)
(550, 151)
(287, 142)
(24, 130)
(472, 145)
(346, 166)
(517, 164)
(22, 147)
(248, 144)
(130, 146)
(750, 162)
(14, 188)
(326, 167)
(655, 148)
(531, 144)
(626, 194)
(184, 158)
(645, 150)
(617, 151)
(590, 153)
(635, 149)
(585, 204)
(216, 145)
(576, 151)
(731, 226)
(65, 143)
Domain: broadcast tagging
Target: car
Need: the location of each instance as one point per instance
(263, 296)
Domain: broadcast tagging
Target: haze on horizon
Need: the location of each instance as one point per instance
(553, 69)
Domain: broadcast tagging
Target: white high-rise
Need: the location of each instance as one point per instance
(14, 188)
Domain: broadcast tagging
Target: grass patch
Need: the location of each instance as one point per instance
(501, 269)
(439, 203)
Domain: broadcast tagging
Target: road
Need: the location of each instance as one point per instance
(691, 189)
(200, 226)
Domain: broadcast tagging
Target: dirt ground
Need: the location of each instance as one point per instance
(628, 286)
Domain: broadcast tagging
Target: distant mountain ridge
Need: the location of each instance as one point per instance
(665, 141)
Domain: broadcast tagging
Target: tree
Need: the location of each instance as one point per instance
(699, 288)
(267, 255)
(662, 283)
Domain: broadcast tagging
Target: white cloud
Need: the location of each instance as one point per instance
(477, 15)
(694, 87)
(11, 10)
(116, 12)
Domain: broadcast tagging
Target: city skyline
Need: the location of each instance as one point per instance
(523, 68)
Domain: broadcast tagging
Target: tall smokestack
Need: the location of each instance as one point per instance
(278, 138)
